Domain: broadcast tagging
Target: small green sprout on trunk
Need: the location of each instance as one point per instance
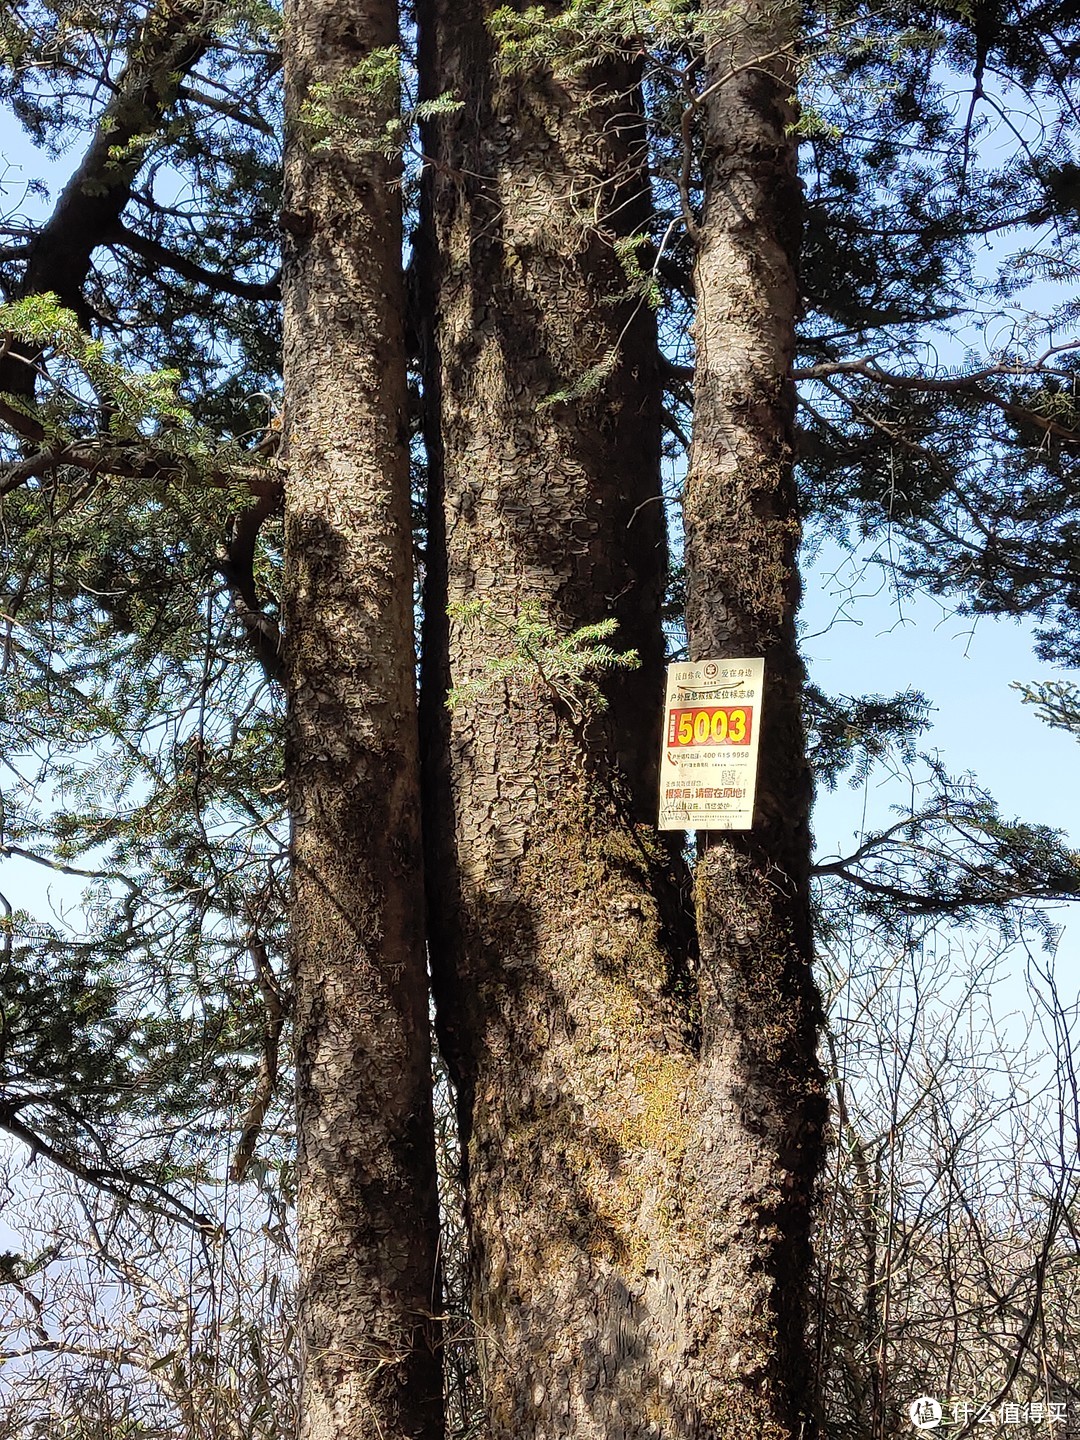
(539, 657)
(371, 109)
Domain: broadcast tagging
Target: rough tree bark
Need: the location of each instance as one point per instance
(555, 963)
(366, 1204)
(760, 1009)
(585, 1052)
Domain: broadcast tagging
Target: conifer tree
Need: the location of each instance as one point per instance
(630, 1034)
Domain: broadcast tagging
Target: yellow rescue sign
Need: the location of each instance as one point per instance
(708, 766)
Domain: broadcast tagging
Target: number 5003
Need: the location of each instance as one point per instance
(724, 725)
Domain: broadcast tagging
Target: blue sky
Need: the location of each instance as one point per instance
(980, 726)
(876, 644)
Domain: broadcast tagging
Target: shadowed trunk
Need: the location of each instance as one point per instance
(366, 1202)
(760, 1009)
(569, 1002)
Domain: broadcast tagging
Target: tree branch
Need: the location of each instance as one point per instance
(173, 38)
(188, 269)
(236, 563)
(119, 1183)
(971, 384)
(127, 461)
(266, 1083)
(233, 110)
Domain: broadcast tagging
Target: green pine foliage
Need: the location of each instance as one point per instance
(1057, 702)
(141, 738)
(938, 378)
(142, 758)
(336, 116)
(540, 661)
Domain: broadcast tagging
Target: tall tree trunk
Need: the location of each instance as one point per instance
(366, 1203)
(564, 955)
(760, 1009)
(558, 941)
